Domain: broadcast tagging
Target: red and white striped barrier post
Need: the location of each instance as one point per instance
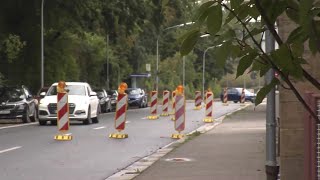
(62, 113)
(243, 97)
(180, 109)
(121, 113)
(198, 100)
(225, 97)
(173, 96)
(165, 103)
(154, 106)
(209, 108)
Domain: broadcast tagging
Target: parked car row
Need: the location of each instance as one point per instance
(234, 94)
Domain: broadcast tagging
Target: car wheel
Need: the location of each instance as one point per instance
(96, 119)
(235, 101)
(42, 123)
(54, 123)
(88, 120)
(26, 116)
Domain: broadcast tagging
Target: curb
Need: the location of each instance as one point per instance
(136, 168)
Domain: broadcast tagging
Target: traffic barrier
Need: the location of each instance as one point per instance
(173, 104)
(62, 113)
(243, 97)
(121, 113)
(179, 123)
(209, 107)
(154, 106)
(165, 103)
(198, 100)
(225, 97)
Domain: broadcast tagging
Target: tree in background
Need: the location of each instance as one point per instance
(288, 60)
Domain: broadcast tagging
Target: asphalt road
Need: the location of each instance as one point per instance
(30, 152)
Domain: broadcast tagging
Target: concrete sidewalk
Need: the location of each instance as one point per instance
(234, 150)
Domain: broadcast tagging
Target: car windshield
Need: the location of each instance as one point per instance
(11, 94)
(133, 91)
(72, 90)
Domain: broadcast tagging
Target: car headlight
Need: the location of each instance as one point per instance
(20, 106)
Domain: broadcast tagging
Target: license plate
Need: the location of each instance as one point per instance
(4, 112)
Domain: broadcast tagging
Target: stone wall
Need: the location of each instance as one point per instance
(291, 114)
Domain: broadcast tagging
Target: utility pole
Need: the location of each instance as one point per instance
(108, 62)
(272, 167)
(42, 46)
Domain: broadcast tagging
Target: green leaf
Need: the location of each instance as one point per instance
(255, 31)
(203, 8)
(293, 15)
(297, 35)
(313, 45)
(253, 12)
(297, 49)
(189, 42)
(235, 3)
(265, 90)
(229, 18)
(214, 20)
(282, 58)
(294, 4)
(223, 53)
(244, 63)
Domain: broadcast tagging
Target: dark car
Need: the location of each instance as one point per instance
(104, 100)
(234, 94)
(17, 103)
(113, 95)
(137, 97)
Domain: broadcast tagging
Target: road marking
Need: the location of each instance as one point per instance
(20, 125)
(68, 134)
(144, 118)
(10, 149)
(127, 122)
(102, 127)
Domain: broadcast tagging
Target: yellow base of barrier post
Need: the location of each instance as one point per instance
(63, 137)
(118, 136)
(165, 114)
(208, 120)
(153, 117)
(173, 118)
(197, 107)
(177, 136)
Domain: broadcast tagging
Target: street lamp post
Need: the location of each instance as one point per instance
(42, 57)
(203, 68)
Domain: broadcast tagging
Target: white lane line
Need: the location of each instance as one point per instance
(102, 127)
(68, 134)
(19, 125)
(144, 118)
(10, 149)
(127, 122)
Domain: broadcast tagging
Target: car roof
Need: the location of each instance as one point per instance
(71, 83)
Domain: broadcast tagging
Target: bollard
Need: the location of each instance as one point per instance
(198, 100)
(62, 113)
(243, 97)
(225, 97)
(179, 123)
(165, 103)
(209, 107)
(173, 104)
(154, 106)
(121, 113)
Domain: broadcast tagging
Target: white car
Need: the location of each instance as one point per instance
(83, 104)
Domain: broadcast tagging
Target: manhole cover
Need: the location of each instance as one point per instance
(178, 160)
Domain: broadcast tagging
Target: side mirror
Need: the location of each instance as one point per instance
(42, 94)
(93, 94)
